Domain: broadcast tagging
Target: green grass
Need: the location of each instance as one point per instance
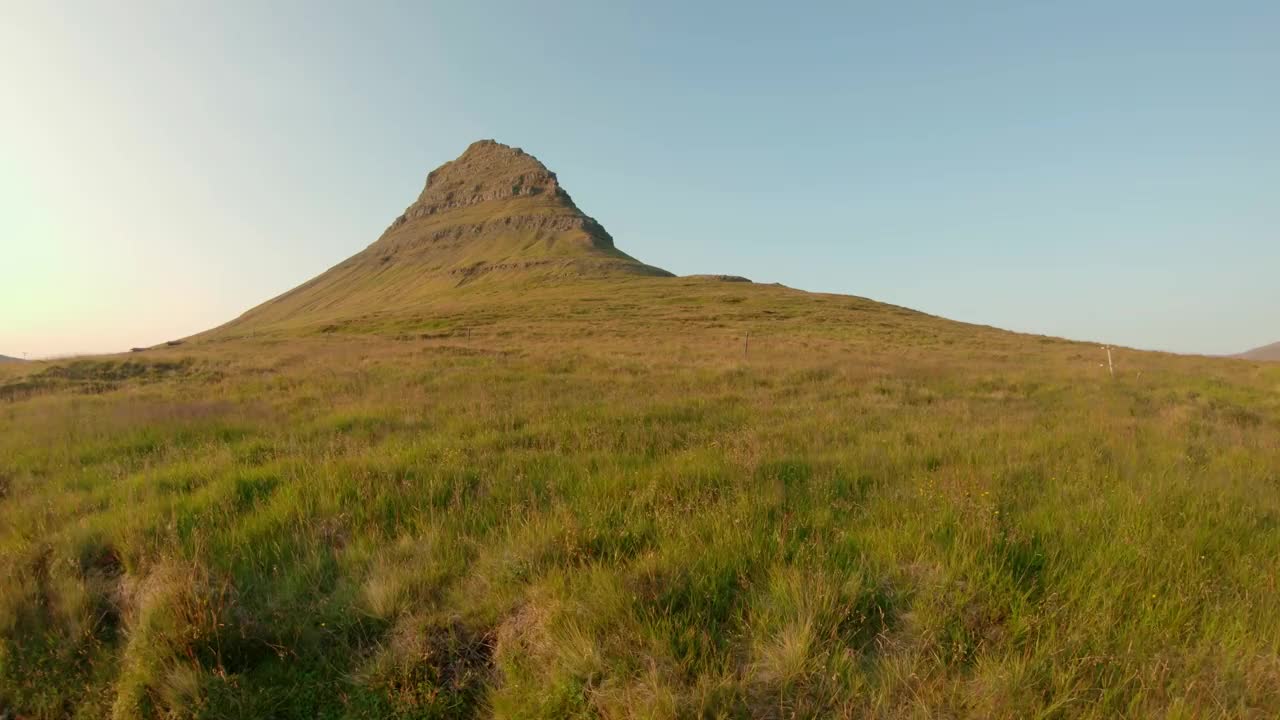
(587, 501)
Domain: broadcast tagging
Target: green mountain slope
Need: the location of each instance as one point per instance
(495, 213)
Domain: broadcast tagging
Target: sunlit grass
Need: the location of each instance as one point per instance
(599, 500)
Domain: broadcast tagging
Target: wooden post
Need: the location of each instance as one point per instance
(746, 345)
(1110, 368)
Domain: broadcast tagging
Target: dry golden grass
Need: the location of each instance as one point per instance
(597, 499)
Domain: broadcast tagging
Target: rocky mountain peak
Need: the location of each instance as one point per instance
(486, 171)
(495, 214)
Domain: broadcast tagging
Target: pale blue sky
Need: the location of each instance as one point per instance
(1097, 170)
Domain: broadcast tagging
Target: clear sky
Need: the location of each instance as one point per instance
(1093, 169)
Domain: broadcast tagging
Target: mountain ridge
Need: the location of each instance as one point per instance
(495, 189)
(493, 212)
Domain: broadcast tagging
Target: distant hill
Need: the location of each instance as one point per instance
(1266, 352)
(6, 358)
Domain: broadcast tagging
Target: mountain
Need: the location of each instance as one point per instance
(492, 467)
(495, 212)
(1266, 352)
(6, 358)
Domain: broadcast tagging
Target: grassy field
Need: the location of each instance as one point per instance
(642, 498)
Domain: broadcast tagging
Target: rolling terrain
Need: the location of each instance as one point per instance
(492, 466)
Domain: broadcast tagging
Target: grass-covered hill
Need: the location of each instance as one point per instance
(597, 500)
(585, 490)
(1266, 352)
